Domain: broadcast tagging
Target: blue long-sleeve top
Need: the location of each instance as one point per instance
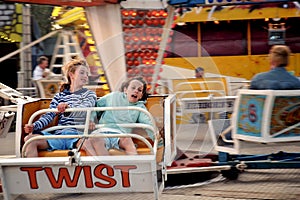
(111, 118)
(79, 99)
(276, 79)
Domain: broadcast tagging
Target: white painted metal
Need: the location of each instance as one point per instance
(267, 115)
(90, 174)
(106, 27)
(152, 150)
(215, 129)
(110, 174)
(170, 129)
(226, 89)
(13, 95)
(207, 104)
(198, 169)
(86, 125)
(6, 118)
(259, 136)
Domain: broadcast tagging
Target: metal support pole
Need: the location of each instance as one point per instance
(26, 64)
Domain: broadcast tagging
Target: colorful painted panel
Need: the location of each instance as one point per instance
(286, 112)
(250, 115)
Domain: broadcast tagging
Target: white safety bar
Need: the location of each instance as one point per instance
(203, 84)
(181, 103)
(207, 104)
(85, 127)
(181, 94)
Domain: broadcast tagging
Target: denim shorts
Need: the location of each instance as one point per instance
(62, 143)
(111, 142)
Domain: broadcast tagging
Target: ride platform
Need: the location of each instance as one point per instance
(263, 184)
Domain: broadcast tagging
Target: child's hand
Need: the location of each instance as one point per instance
(61, 107)
(92, 125)
(28, 128)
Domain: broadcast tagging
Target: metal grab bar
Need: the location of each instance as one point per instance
(205, 85)
(154, 128)
(152, 149)
(90, 109)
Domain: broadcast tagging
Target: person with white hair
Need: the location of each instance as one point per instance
(41, 70)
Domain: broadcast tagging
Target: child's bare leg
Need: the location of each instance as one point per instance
(99, 146)
(93, 147)
(128, 145)
(87, 147)
(32, 148)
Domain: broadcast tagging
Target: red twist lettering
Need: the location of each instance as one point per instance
(31, 171)
(63, 174)
(125, 173)
(98, 172)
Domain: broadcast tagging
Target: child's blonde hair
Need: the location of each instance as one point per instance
(71, 66)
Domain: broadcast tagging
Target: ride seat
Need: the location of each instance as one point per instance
(154, 106)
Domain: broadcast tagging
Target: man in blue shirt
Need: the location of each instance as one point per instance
(278, 78)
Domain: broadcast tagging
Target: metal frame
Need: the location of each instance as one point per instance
(17, 177)
(16, 173)
(233, 151)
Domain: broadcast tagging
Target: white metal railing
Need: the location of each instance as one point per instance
(205, 85)
(180, 95)
(85, 126)
(207, 104)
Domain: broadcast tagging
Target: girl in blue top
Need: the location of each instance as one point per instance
(133, 93)
(71, 95)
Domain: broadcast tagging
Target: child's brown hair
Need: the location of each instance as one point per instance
(142, 80)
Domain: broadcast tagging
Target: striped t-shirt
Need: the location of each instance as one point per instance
(79, 99)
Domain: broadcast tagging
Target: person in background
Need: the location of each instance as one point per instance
(198, 117)
(278, 78)
(71, 95)
(132, 93)
(41, 70)
(199, 72)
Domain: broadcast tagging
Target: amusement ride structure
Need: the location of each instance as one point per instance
(164, 41)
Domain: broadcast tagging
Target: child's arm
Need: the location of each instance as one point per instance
(48, 117)
(95, 116)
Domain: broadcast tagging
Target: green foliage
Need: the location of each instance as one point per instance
(42, 14)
